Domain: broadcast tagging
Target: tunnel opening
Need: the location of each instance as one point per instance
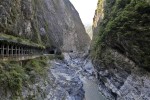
(71, 51)
(53, 50)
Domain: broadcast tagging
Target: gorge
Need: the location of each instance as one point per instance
(63, 62)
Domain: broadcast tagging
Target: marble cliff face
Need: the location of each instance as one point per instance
(121, 48)
(46, 22)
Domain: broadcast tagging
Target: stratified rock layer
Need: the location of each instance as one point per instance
(121, 48)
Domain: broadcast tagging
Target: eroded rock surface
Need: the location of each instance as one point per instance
(122, 79)
(46, 22)
(121, 48)
(65, 81)
(68, 84)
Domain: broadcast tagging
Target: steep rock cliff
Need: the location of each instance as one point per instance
(46, 22)
(98, 17)
(121, 48)
(88, 29)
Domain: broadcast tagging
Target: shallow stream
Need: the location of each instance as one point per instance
(91, 90)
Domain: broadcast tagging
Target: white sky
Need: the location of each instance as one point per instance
(86, 9)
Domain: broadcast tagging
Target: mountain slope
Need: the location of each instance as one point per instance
(121, 47)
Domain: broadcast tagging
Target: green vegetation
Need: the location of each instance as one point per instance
(6, 23)
(11, 77)
(125, 28)
(100, 6)
(15, 75)
(36, 66)
(20, 40)
(24, 23)
(42, 38)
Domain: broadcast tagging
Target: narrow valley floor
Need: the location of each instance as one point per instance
(74, 79)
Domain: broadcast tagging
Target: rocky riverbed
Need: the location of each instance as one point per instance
(68, 84)
(70, 79)
(74, 79)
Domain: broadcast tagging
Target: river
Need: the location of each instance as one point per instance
(91, 90)
(90, 84)
(74, 76)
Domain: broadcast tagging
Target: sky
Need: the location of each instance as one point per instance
(86, 9)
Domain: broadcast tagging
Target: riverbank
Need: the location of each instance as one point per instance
(78, 65)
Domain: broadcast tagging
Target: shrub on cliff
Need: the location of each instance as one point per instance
(125, 28)
(15, 75)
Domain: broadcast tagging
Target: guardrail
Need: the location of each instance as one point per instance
(19, 52)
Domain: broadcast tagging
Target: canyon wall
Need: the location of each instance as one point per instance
(121, 48)
(48, 23)
(45, 22)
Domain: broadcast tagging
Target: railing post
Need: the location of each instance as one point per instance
(16, 51)
(12, 51)
(19, 51)
(7, 50)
